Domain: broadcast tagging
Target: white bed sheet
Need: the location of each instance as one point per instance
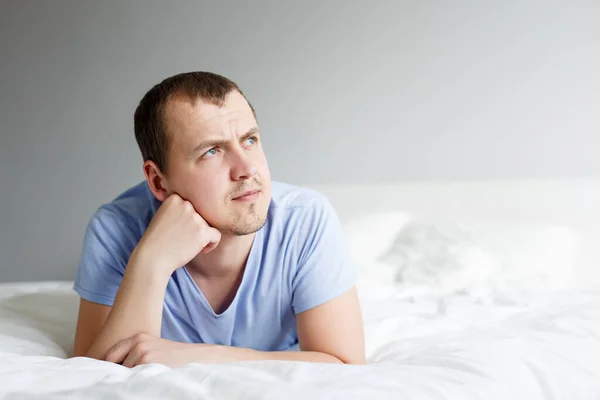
(518, 346)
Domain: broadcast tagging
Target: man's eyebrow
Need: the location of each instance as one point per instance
(251, 132)
(209, 143)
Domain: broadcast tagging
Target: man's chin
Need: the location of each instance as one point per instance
(243, 229)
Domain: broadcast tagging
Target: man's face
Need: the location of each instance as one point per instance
(215, 157)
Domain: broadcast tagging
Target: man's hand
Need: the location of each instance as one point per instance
(146, 349)
(176, 234)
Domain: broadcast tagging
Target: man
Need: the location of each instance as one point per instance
(208, 260)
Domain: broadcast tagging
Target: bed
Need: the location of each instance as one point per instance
(469, 290)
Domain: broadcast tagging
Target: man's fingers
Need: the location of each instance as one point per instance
(138, 354)
(118, 352)
(214, 237)
(210, 246)
(131, 360)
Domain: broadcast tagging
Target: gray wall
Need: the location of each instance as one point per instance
(346, 92)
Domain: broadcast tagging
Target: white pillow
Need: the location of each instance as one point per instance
(439, 257)
(369, 236)
(531, 256)
(484, 256)
(40, 322)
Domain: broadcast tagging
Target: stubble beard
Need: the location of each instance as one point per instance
(246, 223)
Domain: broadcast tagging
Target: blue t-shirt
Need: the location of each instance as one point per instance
(298, 260)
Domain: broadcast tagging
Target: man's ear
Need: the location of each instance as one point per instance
(156, 180)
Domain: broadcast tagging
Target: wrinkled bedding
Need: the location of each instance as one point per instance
(511, 345)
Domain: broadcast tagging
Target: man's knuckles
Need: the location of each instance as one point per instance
(173, 199)
(141, 349)
(146, 359)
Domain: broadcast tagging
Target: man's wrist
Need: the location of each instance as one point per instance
(234, 354)
(225, 354)
(151, 265)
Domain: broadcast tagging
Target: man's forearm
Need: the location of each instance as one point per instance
(137, 308)
(235, 354)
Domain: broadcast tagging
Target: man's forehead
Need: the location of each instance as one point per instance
(182, 109)
(194, 119)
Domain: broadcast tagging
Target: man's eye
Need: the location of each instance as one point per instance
(251, 140)
(211, 152)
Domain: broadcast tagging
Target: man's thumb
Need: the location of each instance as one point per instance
(214, 238)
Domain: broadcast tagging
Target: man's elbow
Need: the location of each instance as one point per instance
(79, 349)
(349, 359)
(354, 360)
(85, 350)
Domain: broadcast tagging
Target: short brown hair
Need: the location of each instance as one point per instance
(149, 127)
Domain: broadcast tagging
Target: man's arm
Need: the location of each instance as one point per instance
(89, 324)
(329, 333)
(175, 235)
(335, 327)
(137, 307)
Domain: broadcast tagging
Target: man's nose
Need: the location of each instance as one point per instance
(243, 166)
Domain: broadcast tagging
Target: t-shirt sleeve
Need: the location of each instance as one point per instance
(105, 252)
(324, 269)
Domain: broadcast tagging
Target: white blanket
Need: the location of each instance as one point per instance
(518, 346)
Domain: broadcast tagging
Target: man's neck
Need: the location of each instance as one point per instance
(225, 260)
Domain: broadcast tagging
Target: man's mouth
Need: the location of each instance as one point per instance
(248, 195)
